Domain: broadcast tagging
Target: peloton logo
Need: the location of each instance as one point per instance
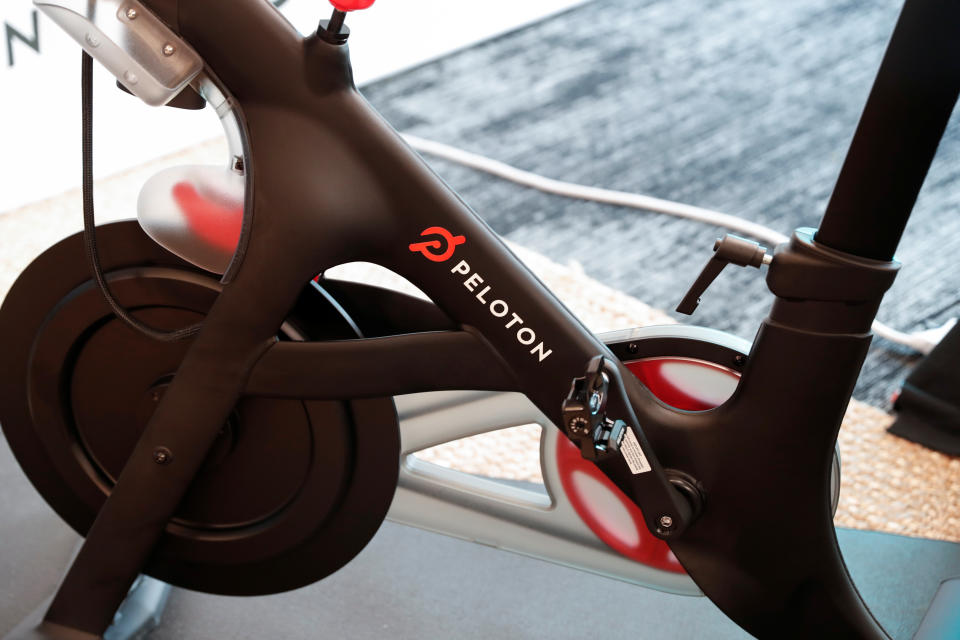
(498, 308)
(431, 248)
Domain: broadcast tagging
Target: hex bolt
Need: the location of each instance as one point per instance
(169, 50)
(132, 14)
(666, 522)
(595, 403)
(162, 455)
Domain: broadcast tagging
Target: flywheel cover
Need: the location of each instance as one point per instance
(291, 491)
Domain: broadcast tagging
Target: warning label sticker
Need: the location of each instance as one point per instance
(633, 454)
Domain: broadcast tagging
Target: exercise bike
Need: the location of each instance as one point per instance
(147, 404)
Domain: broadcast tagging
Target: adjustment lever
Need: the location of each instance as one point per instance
(729, 249)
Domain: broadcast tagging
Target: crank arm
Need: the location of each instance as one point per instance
(612, 438)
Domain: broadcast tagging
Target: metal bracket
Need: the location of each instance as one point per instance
(149, 59)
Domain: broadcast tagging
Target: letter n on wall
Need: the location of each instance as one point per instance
(12, 34)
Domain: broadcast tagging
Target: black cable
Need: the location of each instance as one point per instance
(89, 224)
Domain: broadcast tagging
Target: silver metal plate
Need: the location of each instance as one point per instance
(132, 43)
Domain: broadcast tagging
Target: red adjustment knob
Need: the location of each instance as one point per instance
(351, 5)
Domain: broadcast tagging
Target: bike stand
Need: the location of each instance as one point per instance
(138, 615)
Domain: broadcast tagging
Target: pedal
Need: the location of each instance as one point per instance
(584, 414)
(729, 249)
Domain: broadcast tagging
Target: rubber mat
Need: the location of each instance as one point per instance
(414, 584)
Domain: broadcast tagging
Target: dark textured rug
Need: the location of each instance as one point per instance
(744, 106)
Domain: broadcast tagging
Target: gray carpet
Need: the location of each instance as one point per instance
(409, 584)
(412, 585)
(745, 106)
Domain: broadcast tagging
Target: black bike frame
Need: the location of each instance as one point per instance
(330, 182)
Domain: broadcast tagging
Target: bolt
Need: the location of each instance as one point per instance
(740, 360)
(169, 50)
(162, 455)
(132, 14)
(666, 522)
(595, 403)
(156, 396)
(633, 347)
(336, 22)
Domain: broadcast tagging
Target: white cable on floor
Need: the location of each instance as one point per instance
(922, 341)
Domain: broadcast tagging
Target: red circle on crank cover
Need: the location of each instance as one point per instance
(351, 5)
(610, 514)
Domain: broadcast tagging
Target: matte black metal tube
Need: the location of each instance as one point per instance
(434, 361)
(905, 117)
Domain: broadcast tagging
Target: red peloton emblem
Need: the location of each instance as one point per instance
(438, 250)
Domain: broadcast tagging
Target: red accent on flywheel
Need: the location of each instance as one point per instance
(637, 544)
(214, 223)
(652, 375)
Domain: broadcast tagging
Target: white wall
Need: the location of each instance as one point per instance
(40, 96)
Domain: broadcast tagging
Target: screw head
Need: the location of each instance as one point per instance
(740, 360)
(666, 522)
(594, 403)
(132, 14)
(169, 50)
(633, 347)
(162, 455)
